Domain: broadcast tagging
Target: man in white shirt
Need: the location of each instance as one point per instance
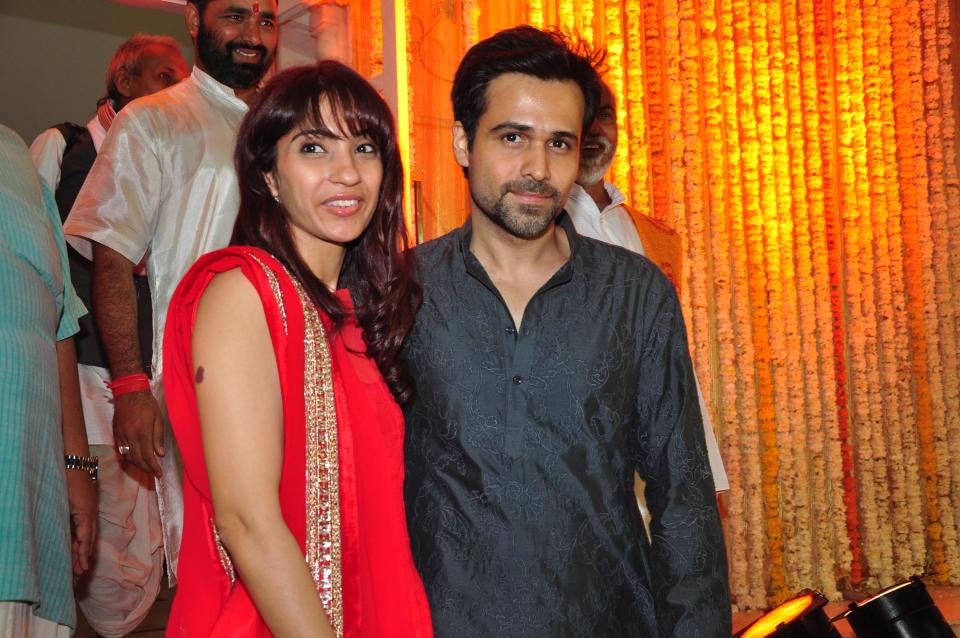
(164, 189)
(598, 209)
(124, 579)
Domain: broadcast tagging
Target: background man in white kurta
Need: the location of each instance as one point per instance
(120, 589)
(598, 209)
(164, 188)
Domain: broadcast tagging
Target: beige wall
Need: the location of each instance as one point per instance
(54, 53)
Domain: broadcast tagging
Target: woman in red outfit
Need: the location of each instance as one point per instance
(283, 380)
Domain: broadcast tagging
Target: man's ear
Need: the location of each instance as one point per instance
(123, 84)
(460, 145)
(192, 17)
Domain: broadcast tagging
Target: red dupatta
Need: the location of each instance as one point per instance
(317, 484)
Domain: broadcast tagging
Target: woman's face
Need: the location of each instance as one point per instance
(328, 183)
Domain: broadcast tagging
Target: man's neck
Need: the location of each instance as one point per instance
(598, 192)
(499, 250)
(518, 267)
(246, 95)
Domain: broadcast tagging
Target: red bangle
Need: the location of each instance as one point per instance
(137, 382)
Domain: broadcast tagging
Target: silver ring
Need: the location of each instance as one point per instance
(123, 449)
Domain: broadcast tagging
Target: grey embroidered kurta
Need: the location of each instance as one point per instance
(521, 446)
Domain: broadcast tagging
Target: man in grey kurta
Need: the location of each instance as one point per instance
(549, 367)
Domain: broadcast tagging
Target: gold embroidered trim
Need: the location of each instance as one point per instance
(323, 549)
(225, 561)
(322, 486)
(275, 287)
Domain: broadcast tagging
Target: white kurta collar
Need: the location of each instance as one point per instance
(210, 86)
(586, 204)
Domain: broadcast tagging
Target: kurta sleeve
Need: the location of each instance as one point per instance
(688, 566)
(47, 155)
(120, 199)
(68, 302)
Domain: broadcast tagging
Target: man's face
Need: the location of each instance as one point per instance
(524, 156)
(236, 40)
(600, 143)
(161, 67)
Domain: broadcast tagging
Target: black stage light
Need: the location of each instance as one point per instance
(800, 617)
(902, 611)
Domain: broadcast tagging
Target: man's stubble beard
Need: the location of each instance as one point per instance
(524, 222)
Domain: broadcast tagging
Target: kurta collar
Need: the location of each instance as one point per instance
(585, 203)
(221, 92)
(473, 267)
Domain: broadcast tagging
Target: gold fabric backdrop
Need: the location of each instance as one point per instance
(806, 152)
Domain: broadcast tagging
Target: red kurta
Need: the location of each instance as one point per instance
(342, 477)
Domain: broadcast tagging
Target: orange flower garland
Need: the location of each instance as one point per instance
(825, 227)
(535, 13)
(673, 128)
(861, 334)
(690, 225)
(767, 296)
(807, 435)
(753, 222)
(749, 485)
(646, 34)
(583, 21)
(932, 229)
(738, 408)
(951, 240)
(906, 70)
(874, 73)
(640, 90)
(798, 541)
(906, 437)
(565, 16)
(613, 20)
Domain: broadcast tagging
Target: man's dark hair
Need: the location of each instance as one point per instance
(201, 5)
(545, 55)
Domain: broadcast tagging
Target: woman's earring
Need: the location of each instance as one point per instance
(276, 198)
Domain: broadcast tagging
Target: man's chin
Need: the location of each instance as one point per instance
(243, 75)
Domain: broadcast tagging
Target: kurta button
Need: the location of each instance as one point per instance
(518, 380)
(511, 330)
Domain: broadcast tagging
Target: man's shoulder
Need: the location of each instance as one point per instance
(154, 113)
(605, 261)
(436, 251)
(604, 254)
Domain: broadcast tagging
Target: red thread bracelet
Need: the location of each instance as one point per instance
(137, 382)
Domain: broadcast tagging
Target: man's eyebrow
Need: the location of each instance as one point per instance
(511, 126)
(523, 128)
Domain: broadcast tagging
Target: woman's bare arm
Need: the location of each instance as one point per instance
(241, 416)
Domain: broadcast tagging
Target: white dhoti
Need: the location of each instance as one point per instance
(127, 565)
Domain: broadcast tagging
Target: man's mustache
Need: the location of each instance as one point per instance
(530, 186)
(259, 48)
(598, 140)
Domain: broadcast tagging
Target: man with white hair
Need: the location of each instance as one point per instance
(124, 580)
(599, 210)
